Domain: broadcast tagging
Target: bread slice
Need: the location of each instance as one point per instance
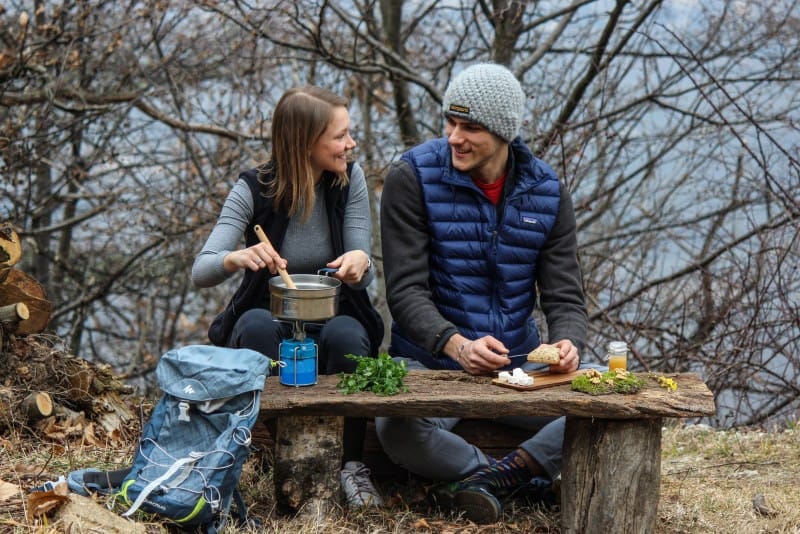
(545, 354)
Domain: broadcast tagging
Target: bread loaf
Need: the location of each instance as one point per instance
(545, 354)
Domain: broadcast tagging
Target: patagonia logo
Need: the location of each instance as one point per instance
(529, 220)
(455, 108)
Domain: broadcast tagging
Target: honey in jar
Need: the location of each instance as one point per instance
(617, 356)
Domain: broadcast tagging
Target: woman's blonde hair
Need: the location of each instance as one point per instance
(299, 119)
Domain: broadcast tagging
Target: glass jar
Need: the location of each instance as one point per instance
(617, 355)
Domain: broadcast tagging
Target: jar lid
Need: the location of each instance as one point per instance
(617, 346)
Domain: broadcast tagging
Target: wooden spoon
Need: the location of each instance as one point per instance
(281, 271)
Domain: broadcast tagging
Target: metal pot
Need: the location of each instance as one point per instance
(316, 297)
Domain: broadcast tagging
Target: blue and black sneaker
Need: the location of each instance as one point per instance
(478, 503)
(474, 500)
(479, 495)
(441, 495)
(539, 491)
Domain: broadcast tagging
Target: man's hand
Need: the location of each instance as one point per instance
(570, 361)
(478, 357)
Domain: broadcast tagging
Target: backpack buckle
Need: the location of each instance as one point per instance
(183, 411)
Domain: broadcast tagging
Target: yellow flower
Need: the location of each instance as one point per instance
(667, 383)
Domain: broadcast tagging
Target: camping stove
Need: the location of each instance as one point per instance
(313, 300)
(298, 358)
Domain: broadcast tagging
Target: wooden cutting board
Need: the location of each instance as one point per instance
(541, 380)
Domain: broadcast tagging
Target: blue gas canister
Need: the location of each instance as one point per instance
(299, 357)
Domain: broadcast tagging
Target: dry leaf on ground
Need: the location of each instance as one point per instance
(8, 490)
(42, 502)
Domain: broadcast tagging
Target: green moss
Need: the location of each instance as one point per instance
(597, 383)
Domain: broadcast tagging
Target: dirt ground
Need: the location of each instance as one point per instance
(713, 481)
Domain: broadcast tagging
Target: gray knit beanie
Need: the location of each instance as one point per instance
(488, 94)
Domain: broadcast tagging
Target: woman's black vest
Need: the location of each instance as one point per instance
(253, 292)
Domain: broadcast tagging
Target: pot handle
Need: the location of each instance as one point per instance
(284, 275)
(327, 271)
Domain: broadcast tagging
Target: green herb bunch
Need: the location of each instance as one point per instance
(381, 375)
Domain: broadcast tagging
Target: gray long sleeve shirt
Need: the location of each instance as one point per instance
(307, 246)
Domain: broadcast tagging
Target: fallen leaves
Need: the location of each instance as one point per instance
(42, 502)
(65, 428)
(421, 524)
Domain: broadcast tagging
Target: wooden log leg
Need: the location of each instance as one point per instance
(611, 476)
(308, 456)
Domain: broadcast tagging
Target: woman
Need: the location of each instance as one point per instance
(313, 205)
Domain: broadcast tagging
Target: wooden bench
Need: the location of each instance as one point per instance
(610, 481)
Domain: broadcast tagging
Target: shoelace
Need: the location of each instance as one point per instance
(504, 475)
(360, 479)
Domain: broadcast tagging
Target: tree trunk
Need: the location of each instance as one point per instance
(611, 476)
(308, 455)
(507, 19)
(392, 14)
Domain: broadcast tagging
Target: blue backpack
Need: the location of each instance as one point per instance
(192, 450)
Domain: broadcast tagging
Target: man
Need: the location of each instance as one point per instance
(473, 227)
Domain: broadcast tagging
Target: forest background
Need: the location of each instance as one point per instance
(675, 124)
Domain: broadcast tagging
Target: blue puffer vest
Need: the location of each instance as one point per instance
(483, 259)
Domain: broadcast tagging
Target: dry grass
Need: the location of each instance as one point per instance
(709, 479)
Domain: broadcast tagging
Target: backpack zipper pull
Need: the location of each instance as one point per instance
(183, 408)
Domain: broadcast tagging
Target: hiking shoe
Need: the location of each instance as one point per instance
(478, 504)
(475, 501)
(539, 491)
(442, 495)
(357, 486)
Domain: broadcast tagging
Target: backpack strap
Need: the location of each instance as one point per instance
(240, 517)
(241, 508)
(90, 480)
(152, 486)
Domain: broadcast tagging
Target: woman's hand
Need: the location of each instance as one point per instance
(352, 266)
(255, 258)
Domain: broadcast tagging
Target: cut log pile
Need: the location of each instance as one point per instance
(45, 389)
(24, 307)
